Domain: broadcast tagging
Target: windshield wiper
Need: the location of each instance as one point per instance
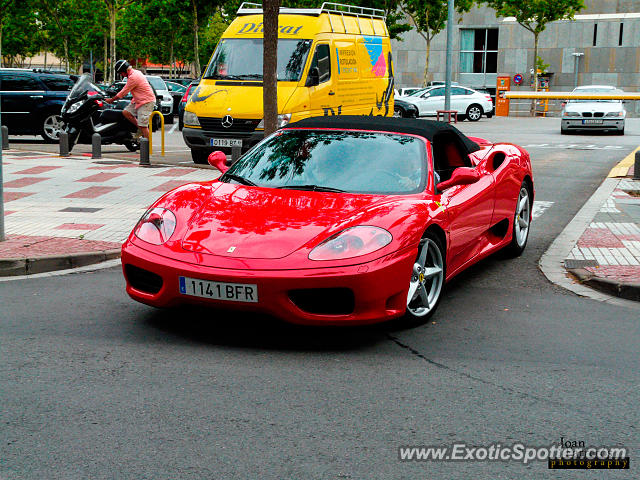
(217, 76)
(251, 75)
(313, 188)
(239, 179)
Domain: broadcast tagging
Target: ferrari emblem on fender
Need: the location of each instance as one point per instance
(227, 121)
(231, 249)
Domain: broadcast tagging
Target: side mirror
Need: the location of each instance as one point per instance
(219, 160)
(313, 78)
(460, 176)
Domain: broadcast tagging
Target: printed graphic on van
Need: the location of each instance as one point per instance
(376, 55)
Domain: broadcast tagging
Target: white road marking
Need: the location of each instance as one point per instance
(539, 207)
(173, 129)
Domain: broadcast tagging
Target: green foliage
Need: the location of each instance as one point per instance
(541, 66)
(430, 16)
(535, 14)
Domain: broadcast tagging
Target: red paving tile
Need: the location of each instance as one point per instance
(9, 212)
(620, 273)
(35, 170)
(91, 192)
(24, 182)
(22, 246)
(175, 172)
(166, 186)
(100, 177)
(9, 196)
(599, 237)
(80, 226)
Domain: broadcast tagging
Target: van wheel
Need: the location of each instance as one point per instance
(474, 112)
(199, 156)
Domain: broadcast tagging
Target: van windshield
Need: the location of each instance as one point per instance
(241, 59)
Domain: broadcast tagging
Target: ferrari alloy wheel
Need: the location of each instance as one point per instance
(474, 112)
(427, 279)
(52, 126)
(521, 222)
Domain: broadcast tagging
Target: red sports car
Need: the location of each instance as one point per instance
(335, 221)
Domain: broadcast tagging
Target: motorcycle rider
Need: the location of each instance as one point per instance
(143, 102)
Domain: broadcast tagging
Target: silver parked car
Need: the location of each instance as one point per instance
(593, 114)
(164, 95)
(469, 103)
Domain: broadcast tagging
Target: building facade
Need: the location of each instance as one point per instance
(600, 46)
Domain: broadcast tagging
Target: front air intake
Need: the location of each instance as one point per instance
(143, 280)
(324, 301)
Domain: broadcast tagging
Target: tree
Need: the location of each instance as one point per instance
(534, 16)
(270, 10)
(113, 7)
(429, 18)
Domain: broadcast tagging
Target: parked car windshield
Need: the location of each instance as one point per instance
(595, 91)
(241, 59)
(326, 160)
(157, 83)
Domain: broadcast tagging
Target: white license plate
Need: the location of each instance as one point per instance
(594, 121)
(225, 142)
(233, 292)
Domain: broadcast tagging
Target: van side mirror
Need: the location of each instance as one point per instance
(460, 176)
(313, 78)
(219, 160)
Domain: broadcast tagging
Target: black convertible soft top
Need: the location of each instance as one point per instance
(423, 128)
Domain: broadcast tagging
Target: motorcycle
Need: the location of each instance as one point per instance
(85, 112)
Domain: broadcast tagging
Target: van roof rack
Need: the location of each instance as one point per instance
(251, 8)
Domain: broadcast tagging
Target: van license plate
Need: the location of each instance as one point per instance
(234, 292)
(225, 142)
(593, 121)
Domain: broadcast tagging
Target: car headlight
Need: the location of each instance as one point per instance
(156, 226)
(282, 121)
(190, 118)
(571, 114)
(614, 114)
(352, 242)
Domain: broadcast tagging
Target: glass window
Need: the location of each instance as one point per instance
(352, 161)
(459, 91)
(15, 82)
(241, 59)
(59, 84)
(157, 83)
(479, 50)
(322, 61)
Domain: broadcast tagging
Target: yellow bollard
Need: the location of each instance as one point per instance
(155, 112)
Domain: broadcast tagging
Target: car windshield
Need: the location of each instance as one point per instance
(326, 160)
(595, 91)
(241, 59)
(157, 83)
(417, 93)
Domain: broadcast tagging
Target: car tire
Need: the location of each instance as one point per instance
(490, 114)
(199, 156)
(620, 132)
(168, 119)
(426, 283)
(132, 146)
(521, 222)
(399, 112)
(51, 128)
(474, 112)
(564, 131)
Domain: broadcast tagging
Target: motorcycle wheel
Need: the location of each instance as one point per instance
(132, 146)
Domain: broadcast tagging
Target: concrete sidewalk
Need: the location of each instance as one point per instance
(66, 212)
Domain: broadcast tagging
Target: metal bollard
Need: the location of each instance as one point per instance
(636, 166)
(96, 146)
(64, 144)
(5, 138)
(235, 154)
(144, 152)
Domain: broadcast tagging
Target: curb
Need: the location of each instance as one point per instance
(629, 291)
(10, 267)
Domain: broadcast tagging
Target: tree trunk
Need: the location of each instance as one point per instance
(105, 60)
(196, 48)
(1, 64)
(112, 41)
(535, 71)
(426, 60)
(270, 10)
(65, 42)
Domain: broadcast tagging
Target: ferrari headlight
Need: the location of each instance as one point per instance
(614, 114)
(352, 242)
(190, 118)
(282, 121)
(571, 114)
(156, 226)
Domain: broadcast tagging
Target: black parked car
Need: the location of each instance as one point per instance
(31, 101)
(404, 109)
(121, 104)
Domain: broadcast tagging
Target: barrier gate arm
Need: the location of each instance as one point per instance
(155, 112)
(571, 96)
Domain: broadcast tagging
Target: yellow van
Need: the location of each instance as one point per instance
(335, 60)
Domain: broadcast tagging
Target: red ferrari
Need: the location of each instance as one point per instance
(335, 221)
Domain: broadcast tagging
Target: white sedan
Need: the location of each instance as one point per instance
(469, 103)
(593, 114)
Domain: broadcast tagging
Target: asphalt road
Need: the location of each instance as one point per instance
(97, 386)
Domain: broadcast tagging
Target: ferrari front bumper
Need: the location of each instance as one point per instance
(379, 287)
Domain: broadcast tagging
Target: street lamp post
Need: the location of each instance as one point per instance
(1, 191)
(447, 86)
(577, 56)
